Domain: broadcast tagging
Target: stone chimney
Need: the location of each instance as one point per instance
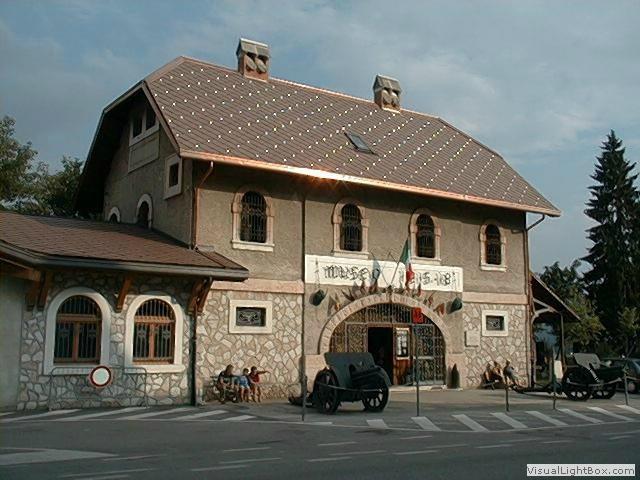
(253, 59)
(386, 93)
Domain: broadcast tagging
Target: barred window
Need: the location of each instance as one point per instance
(425, 237)
(153, 332)
(351, 228)
(78, 331)
(253, 218)
(495, 323)
(493, 245)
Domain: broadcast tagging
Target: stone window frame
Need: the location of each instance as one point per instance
(236, 211)
(172, 191)
(413, 230)
(483, 247)
(49, 365)
(177, 366)
(336, 220)
(265, 330)
(145, 197)
(114, 211)
(495, 333)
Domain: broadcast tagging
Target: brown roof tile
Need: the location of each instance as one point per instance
(212, 110)
(76, 239)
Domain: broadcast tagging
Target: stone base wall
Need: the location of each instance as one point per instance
(512, 347)
(71, 389)
(278, 352)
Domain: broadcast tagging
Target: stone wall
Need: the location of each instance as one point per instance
(73, 390)
(512, 347)
(278, 352)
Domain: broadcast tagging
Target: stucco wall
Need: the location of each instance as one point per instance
(72, 390)
(12, 295)
(123, 189)
(278, 352)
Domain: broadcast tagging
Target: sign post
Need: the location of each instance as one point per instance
(100, 376)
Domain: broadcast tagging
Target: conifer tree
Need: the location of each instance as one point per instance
(613, 280)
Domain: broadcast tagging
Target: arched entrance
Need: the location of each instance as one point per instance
(387, 332)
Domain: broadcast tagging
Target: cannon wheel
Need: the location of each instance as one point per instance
(575, 385)
(607, 392)
(376, 401)
(328, 397)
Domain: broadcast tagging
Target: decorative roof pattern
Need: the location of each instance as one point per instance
(211, 110)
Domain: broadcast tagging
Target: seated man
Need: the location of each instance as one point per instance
(227, 385)
(510, 376)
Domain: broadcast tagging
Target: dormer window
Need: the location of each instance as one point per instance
(143, 124)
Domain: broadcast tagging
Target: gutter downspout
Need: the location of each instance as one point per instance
(529, 322)
(196, 204)
(303, 360)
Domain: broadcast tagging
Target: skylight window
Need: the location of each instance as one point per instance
(358, 142)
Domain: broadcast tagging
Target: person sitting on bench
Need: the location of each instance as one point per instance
(226, 384)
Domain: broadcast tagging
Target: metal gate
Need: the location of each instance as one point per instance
(426, 339)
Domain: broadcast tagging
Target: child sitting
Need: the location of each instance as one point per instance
(243, 385)
(254, 377)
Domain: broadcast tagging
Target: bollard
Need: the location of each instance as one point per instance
(506, 395)
(626, 387)
(553, 383)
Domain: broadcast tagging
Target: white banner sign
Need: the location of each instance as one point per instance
(351, 271)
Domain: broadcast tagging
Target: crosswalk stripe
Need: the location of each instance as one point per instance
(546, 418)
(156, 413)
(239, 418)
(610, 414)
(425, 424)
(99, 414)
(472, 424)
(628, 408)
(41, 415)
(512, 422)
(586, 418)
(200, 415)
(4, 414)
(377, 423)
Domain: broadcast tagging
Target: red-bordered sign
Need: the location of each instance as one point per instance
(416, 315)
(100, 376)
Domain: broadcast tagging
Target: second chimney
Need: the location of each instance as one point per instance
(253, 59)
(386, 93)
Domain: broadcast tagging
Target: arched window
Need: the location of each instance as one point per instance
(253, 218)
(351, 228)
(493, 245)
(114, 215)
(425, 237)
(154, 332)
(78, 331)
(144, 211)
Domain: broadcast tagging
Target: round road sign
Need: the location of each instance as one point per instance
(100, 376)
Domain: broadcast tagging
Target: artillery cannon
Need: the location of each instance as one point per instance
(589, 378)
(350, 377)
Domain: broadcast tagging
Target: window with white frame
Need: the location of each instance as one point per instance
(350, 229)
(143, 124)
(425, 237)
(153, 334)
(78, 329)
(253, 214)
(495, 323)
(493, 247)
(114, 215)
(250, 316)
(144, 211)
(172, 176)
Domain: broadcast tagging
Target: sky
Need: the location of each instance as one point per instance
(541, 82)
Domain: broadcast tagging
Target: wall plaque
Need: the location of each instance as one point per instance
(472, 338)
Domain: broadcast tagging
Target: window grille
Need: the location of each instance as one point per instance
(351, 229)
(251, 317)
(78, 328)
(494, 323)
(253, 219)
(153, 333)
(493, 245)
(425, 237)
(143, 215)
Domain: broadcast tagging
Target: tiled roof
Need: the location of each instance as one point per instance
(114, 243)
(216, 113)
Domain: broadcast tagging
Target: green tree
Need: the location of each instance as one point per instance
(613, 279)
(629, 330)
(569, 285)
(56, 192)
(18, 171)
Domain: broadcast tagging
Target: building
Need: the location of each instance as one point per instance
(303, 200)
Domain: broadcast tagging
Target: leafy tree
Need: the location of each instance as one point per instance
(569, 285)
(56, 192)
(18, 171)
(613, 280)
(629, 330)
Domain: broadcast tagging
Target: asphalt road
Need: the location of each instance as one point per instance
(247, 442)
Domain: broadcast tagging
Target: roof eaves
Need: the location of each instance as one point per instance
(555, 296)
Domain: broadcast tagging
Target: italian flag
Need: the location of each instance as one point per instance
(406, 259)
